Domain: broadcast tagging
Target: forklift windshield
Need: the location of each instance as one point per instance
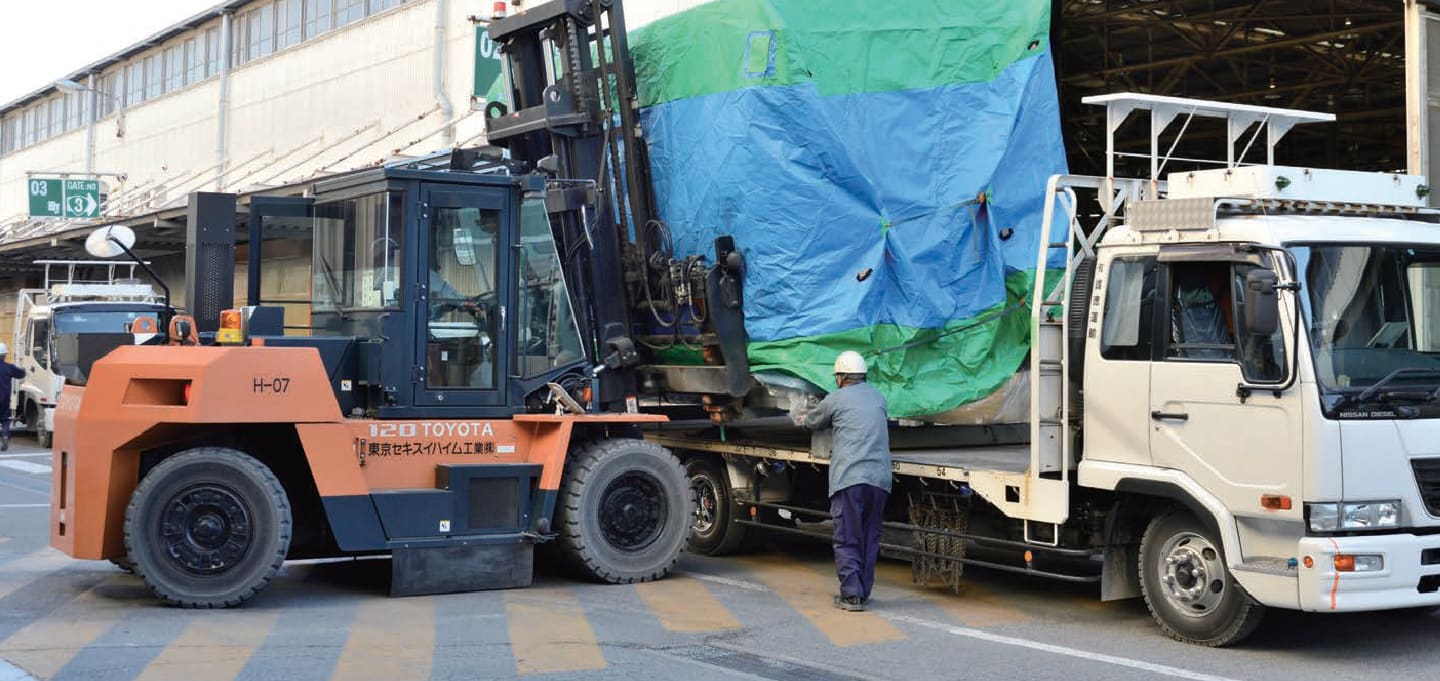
(547, 336)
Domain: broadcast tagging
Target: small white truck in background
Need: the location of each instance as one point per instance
(83, 310)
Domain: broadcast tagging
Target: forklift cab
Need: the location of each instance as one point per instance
(439, 292)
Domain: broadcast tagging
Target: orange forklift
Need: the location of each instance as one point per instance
(465, 389)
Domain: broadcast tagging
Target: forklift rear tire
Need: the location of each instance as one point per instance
(208, 528)
(1187, 586)
(623, 512)
(713, 531)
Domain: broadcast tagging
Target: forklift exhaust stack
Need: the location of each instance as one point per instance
(209, 257)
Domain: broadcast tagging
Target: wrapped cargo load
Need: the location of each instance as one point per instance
(881, 166)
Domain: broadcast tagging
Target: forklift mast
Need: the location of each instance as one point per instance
(573, 117)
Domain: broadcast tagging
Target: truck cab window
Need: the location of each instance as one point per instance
(463, 328)
(1129, 310)
(40, 341)
(1201, 312)
(1424, 281)
(1262, 358)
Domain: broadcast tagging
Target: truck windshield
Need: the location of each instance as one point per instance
(91, 321)
(1374, 324)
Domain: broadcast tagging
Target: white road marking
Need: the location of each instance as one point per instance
(737, 583)
(967, 632)
(26, 455)
(24, 505)
(9, 672)
(26, 467)
(978, 634)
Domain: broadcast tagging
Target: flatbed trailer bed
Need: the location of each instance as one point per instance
(957, 464)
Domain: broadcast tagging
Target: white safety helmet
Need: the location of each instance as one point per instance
(850, 362)
(4, 349)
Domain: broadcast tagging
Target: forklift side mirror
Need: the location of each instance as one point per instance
(109, 241)
(1262, 306)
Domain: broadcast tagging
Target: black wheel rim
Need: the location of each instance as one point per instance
(632, 511)
(707, 505)
(205, 529)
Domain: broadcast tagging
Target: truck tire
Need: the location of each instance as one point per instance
(43, 437)
(208, 528)
(713, 530)
(623, 512)
(1187, 586)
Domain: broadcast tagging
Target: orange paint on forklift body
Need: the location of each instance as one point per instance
(143, 397)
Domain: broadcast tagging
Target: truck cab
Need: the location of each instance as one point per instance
(83, 310)
(1259, 347)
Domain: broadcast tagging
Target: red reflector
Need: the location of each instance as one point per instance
(1275, 502)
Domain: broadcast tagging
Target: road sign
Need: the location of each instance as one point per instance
(50, 198)
(487, 63)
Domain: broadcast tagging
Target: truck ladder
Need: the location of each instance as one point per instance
(1051, 416)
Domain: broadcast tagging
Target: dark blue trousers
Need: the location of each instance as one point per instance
(858, 511)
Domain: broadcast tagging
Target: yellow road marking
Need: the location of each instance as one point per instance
(549, 633)
(974, 606)
(46, 645)
(22, 571)
(216, 646)
(811, 592)
(391, 639)
(684, 604)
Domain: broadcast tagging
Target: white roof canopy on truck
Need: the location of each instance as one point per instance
(1239, 118)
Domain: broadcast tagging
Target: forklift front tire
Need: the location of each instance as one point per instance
(623, 513)
(208, 528)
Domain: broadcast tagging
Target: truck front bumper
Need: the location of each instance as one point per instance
(1409, 576)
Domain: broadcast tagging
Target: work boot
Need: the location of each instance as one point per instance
(4, 443)
(849, 603)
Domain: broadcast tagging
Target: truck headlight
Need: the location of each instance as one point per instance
(1353, 515)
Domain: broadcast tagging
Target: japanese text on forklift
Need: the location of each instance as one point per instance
(1205, 466)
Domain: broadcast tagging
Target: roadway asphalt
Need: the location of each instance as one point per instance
(765, 616)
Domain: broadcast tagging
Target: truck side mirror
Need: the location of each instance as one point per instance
(1262, 306)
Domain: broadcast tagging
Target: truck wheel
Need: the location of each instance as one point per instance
(1187, 587)
(208, 528)
(624, 511)
(713, 530)
(43, 437)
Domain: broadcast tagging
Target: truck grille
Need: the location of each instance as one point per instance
(1427, 476)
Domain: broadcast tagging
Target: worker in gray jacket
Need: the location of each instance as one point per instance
(859, 475)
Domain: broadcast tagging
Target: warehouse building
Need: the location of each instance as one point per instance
(263, 96)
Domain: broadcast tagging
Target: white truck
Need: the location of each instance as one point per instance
(68, 323)
(1234, 400)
